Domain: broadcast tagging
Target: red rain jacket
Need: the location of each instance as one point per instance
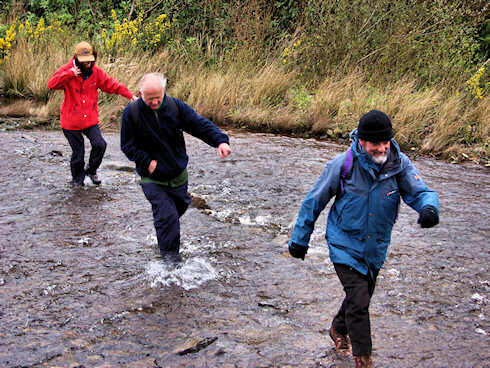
(79, 109)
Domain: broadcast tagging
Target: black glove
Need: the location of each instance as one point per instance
(428, 217)
(298, 251)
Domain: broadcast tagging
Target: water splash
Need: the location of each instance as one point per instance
(258, 221)
(189, 274)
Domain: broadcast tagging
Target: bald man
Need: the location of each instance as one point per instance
(152, 136)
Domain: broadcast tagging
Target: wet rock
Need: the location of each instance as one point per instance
(193, 345)
(118, 166)
(79, 343)
(199, 203)
(275, 305)
(144, 363)
(56, 153)
(95, 359)
(29, 138)
(267, 302)
(85, 242)
(56, 265)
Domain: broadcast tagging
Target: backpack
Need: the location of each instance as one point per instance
(134, 111)
(349, 157)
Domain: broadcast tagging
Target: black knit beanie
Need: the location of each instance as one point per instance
(375, 126)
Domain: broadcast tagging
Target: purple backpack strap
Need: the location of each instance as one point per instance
(346, 168)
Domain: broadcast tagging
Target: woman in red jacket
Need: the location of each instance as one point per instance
(80, 80)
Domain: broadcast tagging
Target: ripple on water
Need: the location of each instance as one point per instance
(188, 274)
(71, 264)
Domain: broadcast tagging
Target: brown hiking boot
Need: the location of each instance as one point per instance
(364, 361)
(341, 342)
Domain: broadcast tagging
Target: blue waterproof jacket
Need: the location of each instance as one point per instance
(158, 135)
(361, 219)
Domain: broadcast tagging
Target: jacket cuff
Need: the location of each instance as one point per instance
(432, 208)
(224, 139)
(301, 248)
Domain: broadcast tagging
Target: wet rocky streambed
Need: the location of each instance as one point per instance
(82, 285)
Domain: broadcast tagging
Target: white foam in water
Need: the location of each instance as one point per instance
(84, 241)
(222, 215)
(193, 246)
(477, 297)
(189, 274)
(152, 238)
(245, 220)
(393, 273)
(259, 220)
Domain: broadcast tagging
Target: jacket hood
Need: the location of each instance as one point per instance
(353, 134)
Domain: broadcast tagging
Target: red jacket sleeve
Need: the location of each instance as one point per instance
(60, 77)
(110, 85)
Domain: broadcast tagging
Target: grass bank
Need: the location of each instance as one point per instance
(444, 122)
(316, 78)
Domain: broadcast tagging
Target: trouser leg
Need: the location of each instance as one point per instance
(168, 204)
(77, 161)
(99, 146)
(339, 323)
(353, 315)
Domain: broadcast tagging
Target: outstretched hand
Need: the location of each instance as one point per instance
(297, 251)
(428, 217)
(224, 150)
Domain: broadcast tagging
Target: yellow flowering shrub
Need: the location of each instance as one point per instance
(309, 46)
(35, 34)
(6, 43)
(39, 33)
(473, 84)
(135, 34)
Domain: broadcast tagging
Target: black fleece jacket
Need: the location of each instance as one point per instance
(158, 135)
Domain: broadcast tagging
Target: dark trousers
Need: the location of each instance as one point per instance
(168, 205)
(77, 162)
(353, 316)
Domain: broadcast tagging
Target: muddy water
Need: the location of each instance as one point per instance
(81, 283)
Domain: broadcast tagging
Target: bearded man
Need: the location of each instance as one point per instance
(368, 181)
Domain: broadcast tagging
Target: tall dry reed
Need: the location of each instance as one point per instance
(27, 70)
(265, 96)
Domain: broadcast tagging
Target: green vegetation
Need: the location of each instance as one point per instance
(309, 67)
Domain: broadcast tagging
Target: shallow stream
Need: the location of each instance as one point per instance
(82, 285)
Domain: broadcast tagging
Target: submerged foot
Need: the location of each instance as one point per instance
(172, 258)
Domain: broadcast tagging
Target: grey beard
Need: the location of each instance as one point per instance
(379, 160)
